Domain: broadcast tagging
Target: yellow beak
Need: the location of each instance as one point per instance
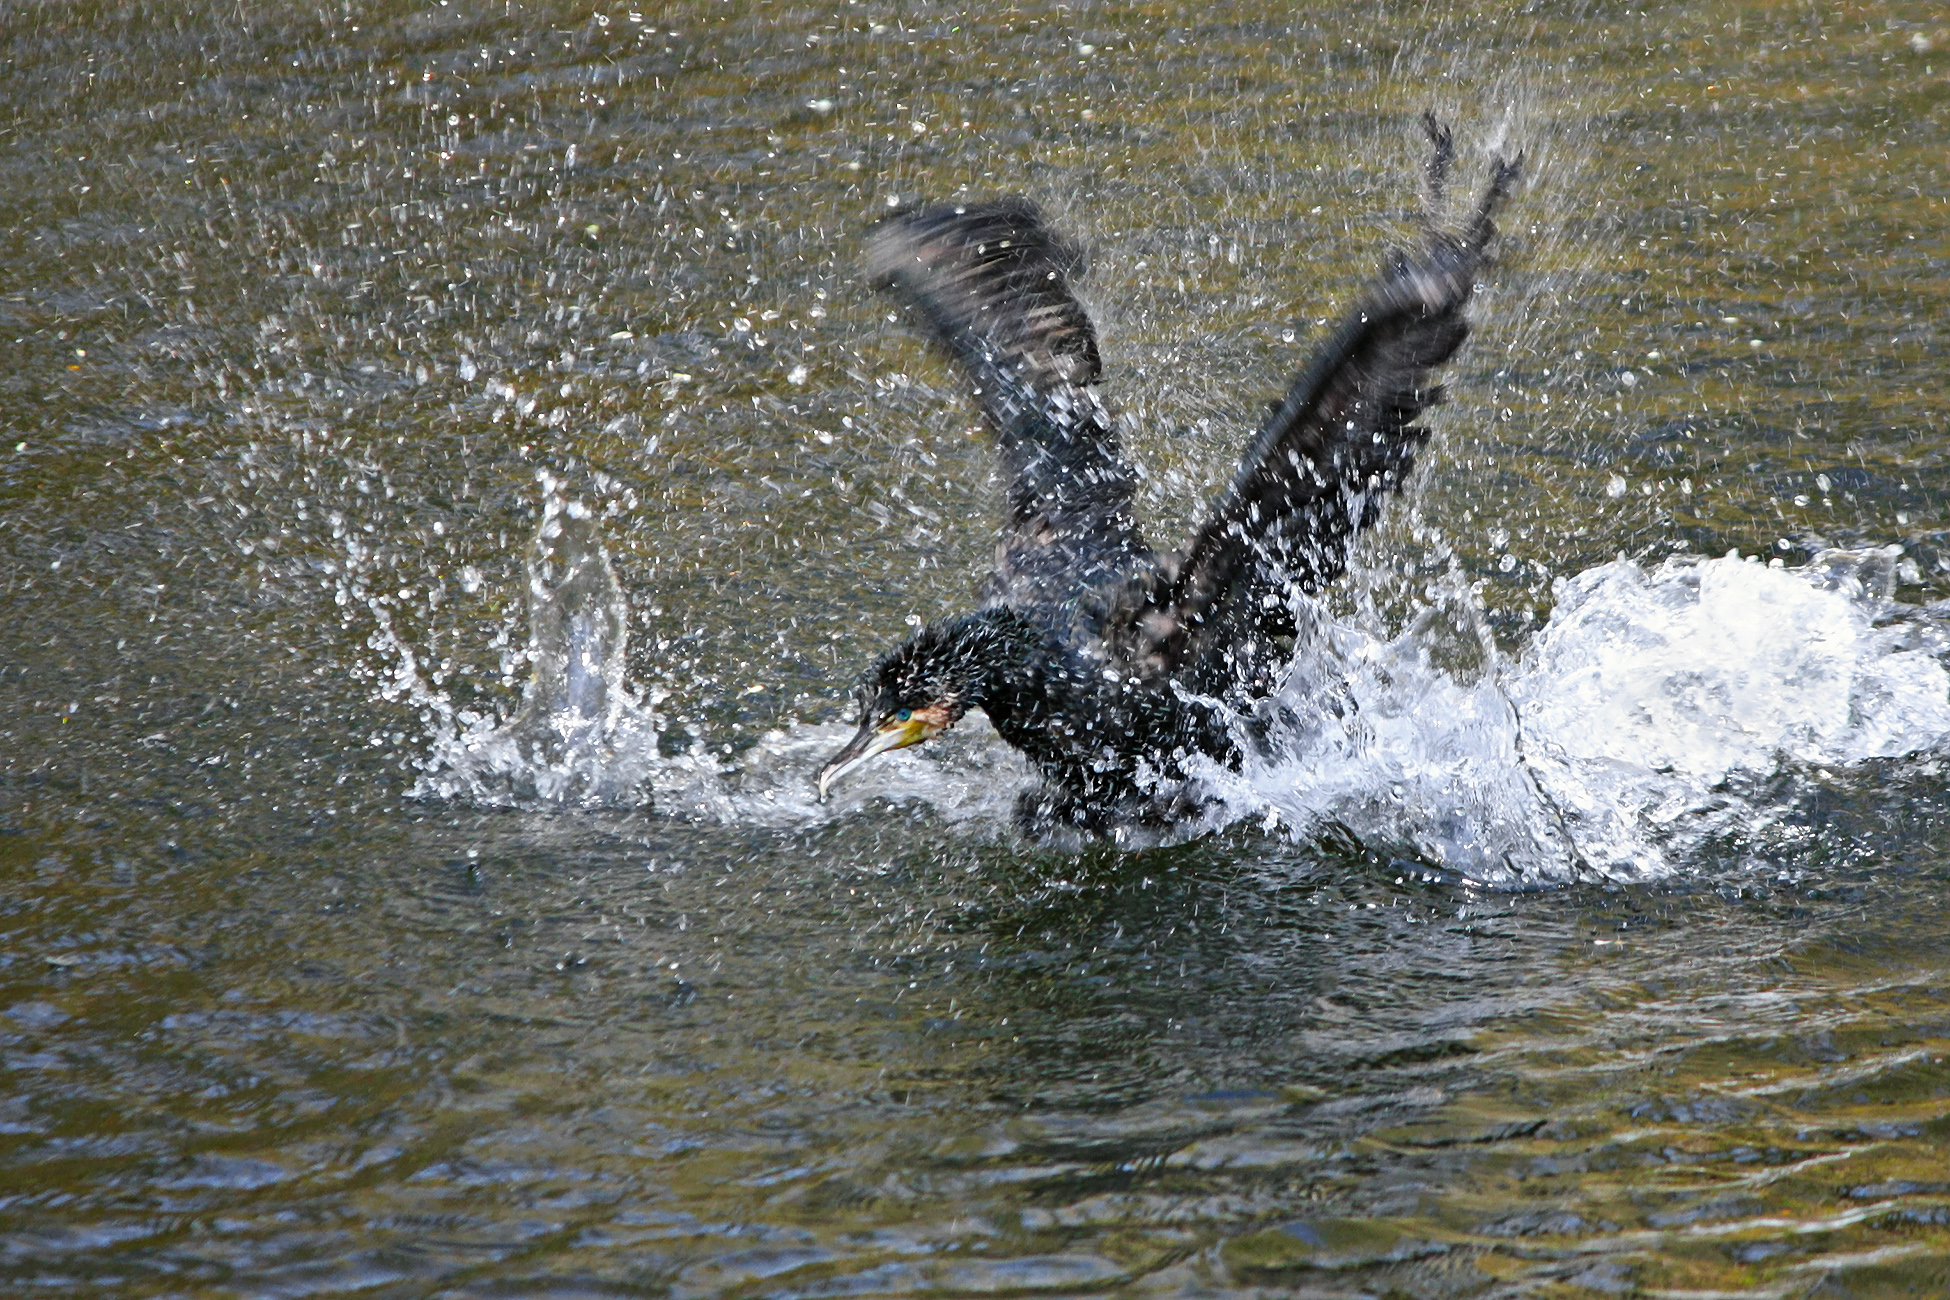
(870, 740)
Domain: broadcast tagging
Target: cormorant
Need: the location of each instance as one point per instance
(1108, 664)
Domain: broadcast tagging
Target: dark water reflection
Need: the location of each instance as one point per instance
(298, 301)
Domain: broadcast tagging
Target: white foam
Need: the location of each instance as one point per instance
(1647, 691)
(1374, 734)
(1609, 746)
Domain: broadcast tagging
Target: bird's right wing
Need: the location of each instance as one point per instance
(1317, 473)
(992, 280)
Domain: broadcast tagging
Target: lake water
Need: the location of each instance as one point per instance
(1583, 933)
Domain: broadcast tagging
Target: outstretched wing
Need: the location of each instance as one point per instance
(1317, 473)
(994, 283)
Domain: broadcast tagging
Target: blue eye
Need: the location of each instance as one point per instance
(903, 715)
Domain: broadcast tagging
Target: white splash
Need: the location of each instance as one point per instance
(1648, 691)
(582, 735)
(968, 777)
(1617, 743)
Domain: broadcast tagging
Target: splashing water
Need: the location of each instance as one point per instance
(585, 737)
(1619, 740)
(1648, 692)
(582, 735)
(1614, 746)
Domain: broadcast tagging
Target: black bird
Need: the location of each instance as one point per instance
(1108, 664)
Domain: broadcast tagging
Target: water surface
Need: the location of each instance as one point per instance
(307, 307)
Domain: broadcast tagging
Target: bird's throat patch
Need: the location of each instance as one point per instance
(934, 719)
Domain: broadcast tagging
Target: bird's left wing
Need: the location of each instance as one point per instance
(993, 282)
(1316, 475)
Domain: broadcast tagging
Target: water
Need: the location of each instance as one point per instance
(1581, 933)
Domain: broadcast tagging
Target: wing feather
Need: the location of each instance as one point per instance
(993, 282)
(1319, 470)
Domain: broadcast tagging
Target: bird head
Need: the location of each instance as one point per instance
(925, 685)
(917, 691)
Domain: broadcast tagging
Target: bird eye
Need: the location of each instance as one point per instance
(903, 715)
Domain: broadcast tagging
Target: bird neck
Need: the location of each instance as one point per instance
(987, 652)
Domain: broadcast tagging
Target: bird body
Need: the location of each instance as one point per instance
(1109, 665)
(1093, 726)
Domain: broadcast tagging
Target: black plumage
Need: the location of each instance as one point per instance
(1106, 663)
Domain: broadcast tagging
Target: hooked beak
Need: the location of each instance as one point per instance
(871, 740)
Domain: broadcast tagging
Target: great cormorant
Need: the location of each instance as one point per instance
(1108, 664)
